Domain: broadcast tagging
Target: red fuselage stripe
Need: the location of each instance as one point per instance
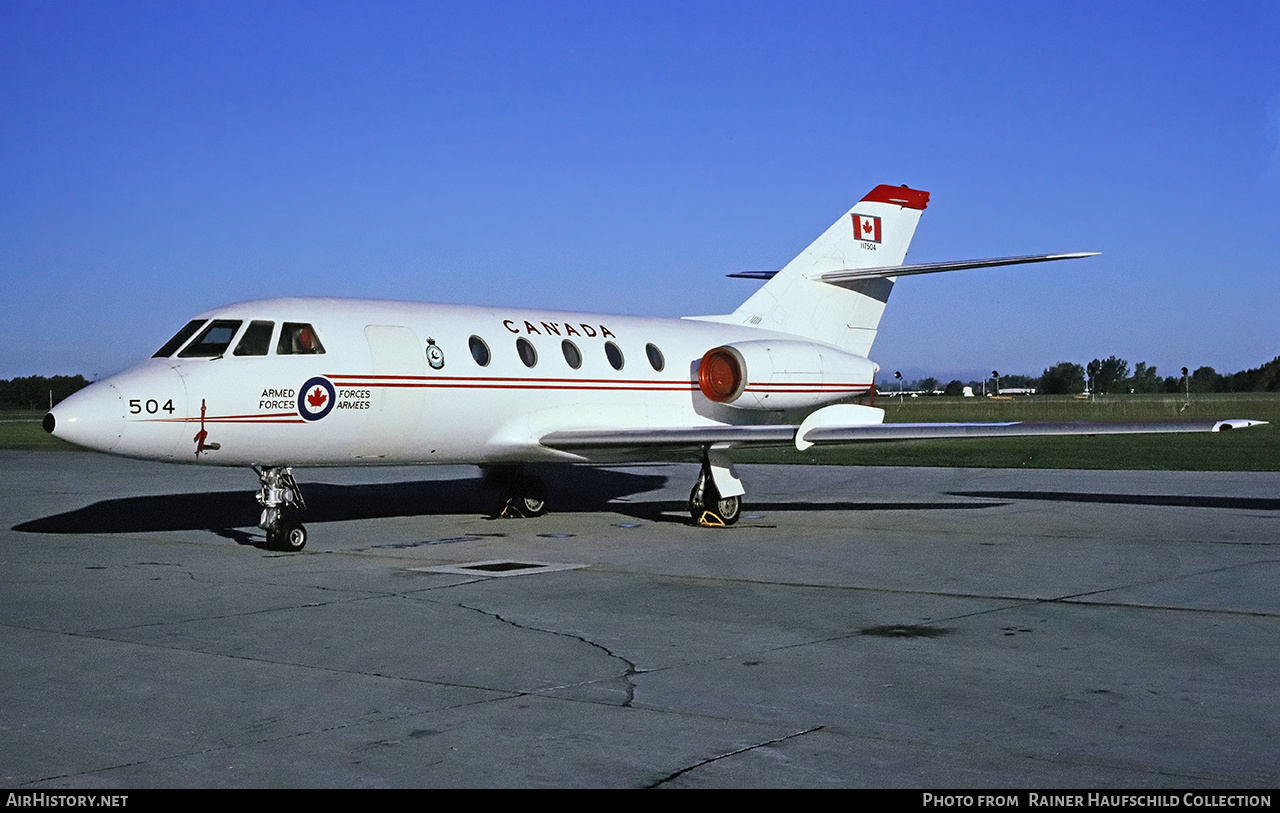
(388, 380)
(277, 417)
(490, 383)
(484, 382)
(522, 386)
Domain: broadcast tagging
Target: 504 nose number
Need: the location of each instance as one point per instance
(151, 405)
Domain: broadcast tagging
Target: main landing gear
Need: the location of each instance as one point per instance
(707, 507)
(279, 491)
(520, 494)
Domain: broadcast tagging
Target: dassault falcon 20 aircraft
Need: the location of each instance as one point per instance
(279, 383)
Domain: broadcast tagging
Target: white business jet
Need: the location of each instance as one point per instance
(279, 383)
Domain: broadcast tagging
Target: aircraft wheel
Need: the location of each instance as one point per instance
(696, 504)
(531, 505)
(729, 509)
(287, 536)
(704, 498)
(519, 494)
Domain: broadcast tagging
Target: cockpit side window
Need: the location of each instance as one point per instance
(178, 339)
(213, 340)
(298, 338)
(256, 340)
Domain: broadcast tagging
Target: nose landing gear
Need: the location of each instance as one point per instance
(279, 491)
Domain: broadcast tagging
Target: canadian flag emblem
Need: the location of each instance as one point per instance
(866, 227)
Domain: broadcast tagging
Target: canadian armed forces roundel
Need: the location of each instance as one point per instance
(315, 399)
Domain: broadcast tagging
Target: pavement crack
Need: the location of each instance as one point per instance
(1223, 569)
(669, 777)
(626, 676)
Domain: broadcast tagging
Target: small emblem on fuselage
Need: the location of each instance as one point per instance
(435, 356)
(316, 398)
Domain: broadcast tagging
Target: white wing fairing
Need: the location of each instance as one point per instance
(279, 383)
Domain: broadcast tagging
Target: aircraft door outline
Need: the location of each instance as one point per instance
(395, 405)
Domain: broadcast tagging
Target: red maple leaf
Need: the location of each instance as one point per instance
(316, 398)
(866, 225)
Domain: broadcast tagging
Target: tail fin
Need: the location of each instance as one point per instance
(873, 234)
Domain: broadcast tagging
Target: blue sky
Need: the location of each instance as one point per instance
(158, 159)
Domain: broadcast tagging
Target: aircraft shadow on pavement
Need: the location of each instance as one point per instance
(1175, 500)
(574, 489)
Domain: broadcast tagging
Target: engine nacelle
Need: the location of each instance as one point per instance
(766, 374)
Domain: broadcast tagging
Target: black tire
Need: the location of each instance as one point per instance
(729, 509)
(704, 498)
(287, 536)
(696, 504)
(531, 505)
(518, 494)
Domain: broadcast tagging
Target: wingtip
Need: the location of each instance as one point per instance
(1236, 423)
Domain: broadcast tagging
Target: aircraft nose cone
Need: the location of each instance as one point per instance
(92, 417)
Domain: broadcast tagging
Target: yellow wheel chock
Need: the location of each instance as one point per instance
(710, 520)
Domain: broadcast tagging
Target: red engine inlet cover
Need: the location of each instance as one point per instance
(720, 375)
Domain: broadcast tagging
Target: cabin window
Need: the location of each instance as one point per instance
(178, 339)
(298, 339)
(572, 355)
(480, 351)
(655, 357)
(213, 341)
(614, 355)
(527, 353)
(256, 340)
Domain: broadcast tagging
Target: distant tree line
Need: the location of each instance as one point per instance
(1111, 376)
(33, 391)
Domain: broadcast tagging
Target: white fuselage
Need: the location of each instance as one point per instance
(398, 382)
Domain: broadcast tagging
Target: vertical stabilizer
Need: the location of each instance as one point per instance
(875, 233)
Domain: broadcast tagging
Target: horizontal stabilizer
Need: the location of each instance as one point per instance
(855, 274)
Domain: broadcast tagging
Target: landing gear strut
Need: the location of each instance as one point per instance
(520, 494)
(707, 507)
(279, 491)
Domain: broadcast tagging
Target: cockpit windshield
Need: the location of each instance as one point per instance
(256, 340)
(213, 340)
(298, 338)
(178, 339)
